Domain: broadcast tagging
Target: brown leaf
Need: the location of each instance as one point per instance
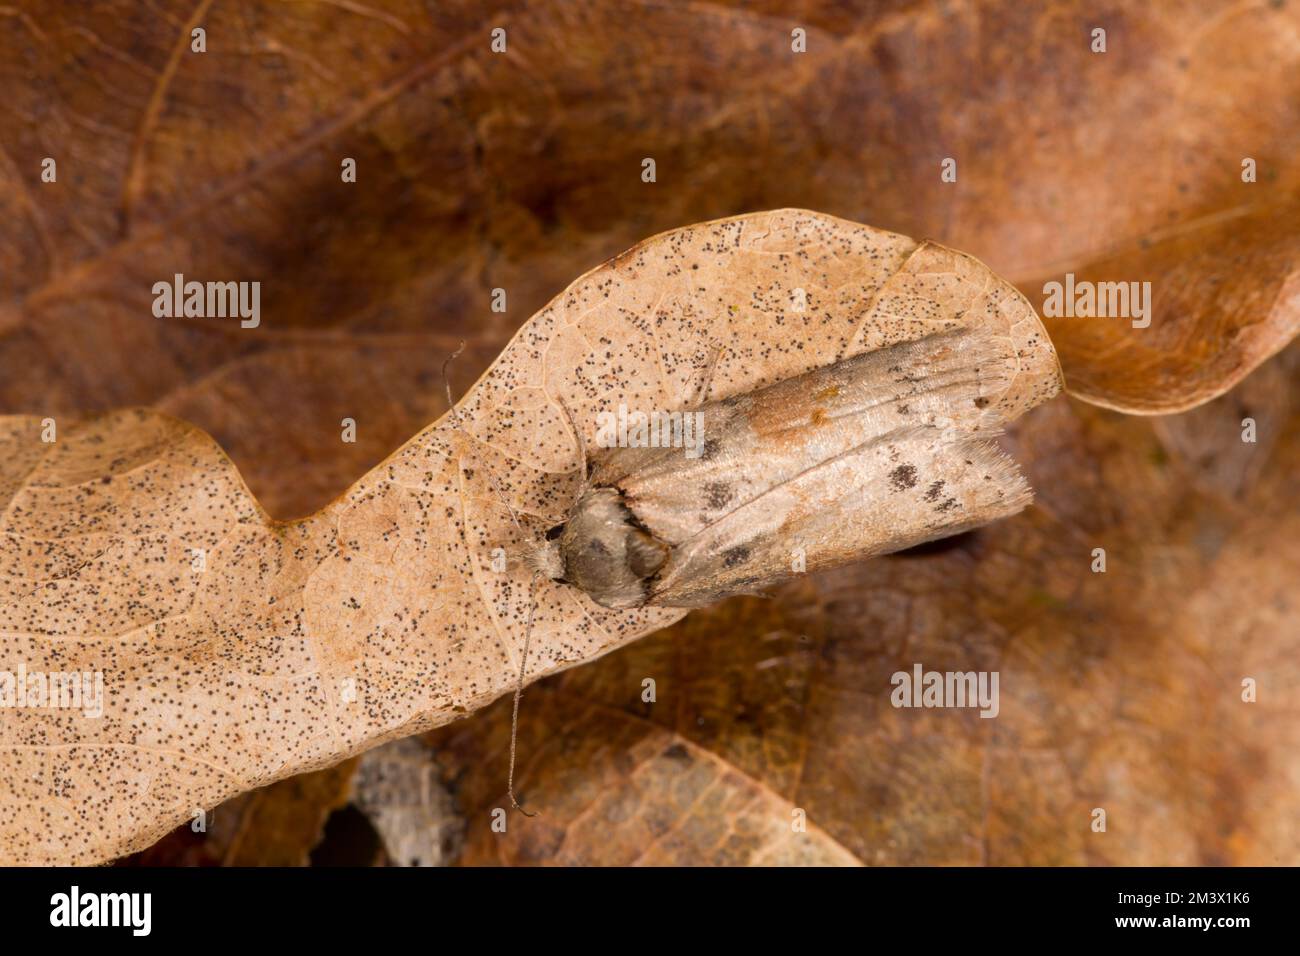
(1225, 296)
(621, 790)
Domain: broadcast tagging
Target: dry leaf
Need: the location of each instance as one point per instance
(1225, 296)
(622, 791)
(291, 646)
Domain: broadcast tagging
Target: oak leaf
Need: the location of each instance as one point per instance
(237, 650)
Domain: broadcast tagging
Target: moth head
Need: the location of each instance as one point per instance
(604, 550)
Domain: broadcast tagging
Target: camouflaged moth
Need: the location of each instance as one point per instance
(872, 454)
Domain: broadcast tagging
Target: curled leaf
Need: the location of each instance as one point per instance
(236, 650)
(1225, 296)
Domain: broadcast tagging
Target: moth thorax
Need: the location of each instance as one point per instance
(607, 553)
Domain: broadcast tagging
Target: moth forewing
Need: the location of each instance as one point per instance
(755, 441)
(867, 455)
(892, 493)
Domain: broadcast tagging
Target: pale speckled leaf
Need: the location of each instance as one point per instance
(233, 677)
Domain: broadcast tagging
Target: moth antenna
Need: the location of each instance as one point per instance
(532, 586)
(577, 437)
(519, 694)
(446, 381)
(709, 369)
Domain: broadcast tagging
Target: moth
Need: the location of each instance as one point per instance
(871, 454)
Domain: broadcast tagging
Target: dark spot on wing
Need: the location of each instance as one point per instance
(717, 494)
(734, 556)
(902, 477)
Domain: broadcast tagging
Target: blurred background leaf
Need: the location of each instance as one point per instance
(522, 170)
